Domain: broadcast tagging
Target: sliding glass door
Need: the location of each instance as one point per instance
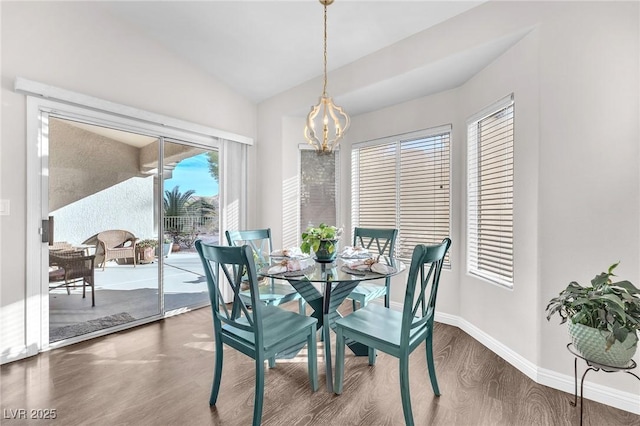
(190, 211)
(102, 197)
(124, 212)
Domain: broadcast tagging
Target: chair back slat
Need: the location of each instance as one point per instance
(258, 239)
(238, 269)
(272, 291)
(238, 309)
(382, 240)
(418, 310)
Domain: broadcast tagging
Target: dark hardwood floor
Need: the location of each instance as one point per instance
(160, 374)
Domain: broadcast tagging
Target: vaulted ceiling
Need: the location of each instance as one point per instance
(262, 48)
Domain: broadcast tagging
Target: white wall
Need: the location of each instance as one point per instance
(575, 79)
(76, 46)
(508, 313)
(589, 160)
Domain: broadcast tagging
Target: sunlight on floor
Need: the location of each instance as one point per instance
(203, 346)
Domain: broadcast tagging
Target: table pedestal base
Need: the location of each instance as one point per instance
(325, 310)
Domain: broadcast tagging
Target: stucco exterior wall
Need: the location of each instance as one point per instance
(95, 184)
(82, 163)
(127, 205)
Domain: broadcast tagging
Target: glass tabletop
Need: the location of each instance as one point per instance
(338, 271)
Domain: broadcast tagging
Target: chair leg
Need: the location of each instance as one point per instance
(259, 394)
(312, 358)
(340, 344)
(302, 306)
(432, 369)
(387, 292)
(272, 362)
(372, 355)
(353, 304)
(404, 390)
(217, 374)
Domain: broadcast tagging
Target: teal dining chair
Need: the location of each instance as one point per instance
(260, 332)
(378, 241)
(399, 333)
(276, 292)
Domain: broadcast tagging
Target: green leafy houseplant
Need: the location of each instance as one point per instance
(612, 308)
(324, 236)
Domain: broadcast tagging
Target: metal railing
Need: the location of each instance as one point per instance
(189, 224)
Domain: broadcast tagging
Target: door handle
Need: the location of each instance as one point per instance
(44, 231)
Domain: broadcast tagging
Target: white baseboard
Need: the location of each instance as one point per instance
(626, 401)
(14, 354)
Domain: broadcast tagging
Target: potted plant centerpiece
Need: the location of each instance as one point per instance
(604, 318)
(146, 250)
(323, 240)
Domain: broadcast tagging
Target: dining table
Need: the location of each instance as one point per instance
(324, 286)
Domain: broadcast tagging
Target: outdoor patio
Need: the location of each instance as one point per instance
(125, 294)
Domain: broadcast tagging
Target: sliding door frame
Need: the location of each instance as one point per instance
(68, 105)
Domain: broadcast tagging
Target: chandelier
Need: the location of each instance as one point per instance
(326, 122)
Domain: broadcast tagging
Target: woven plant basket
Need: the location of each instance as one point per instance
(591, 343)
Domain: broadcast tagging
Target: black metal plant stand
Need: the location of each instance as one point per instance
(593, 366)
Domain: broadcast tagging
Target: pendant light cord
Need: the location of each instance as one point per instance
(324, 87)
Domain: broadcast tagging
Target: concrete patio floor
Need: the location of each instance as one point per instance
(133, 290)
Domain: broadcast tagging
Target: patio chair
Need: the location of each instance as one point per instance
(260, 332)
(377, 241)
(70, 269)
(399, 333)
(116, 244)
(60, 246)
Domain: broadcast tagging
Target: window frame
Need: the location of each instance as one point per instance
(499, 275)
(43, 101)
(336, 153)
(398, 141)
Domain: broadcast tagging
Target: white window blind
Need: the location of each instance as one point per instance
(490, 193)
(404, 183)
(318, 181)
